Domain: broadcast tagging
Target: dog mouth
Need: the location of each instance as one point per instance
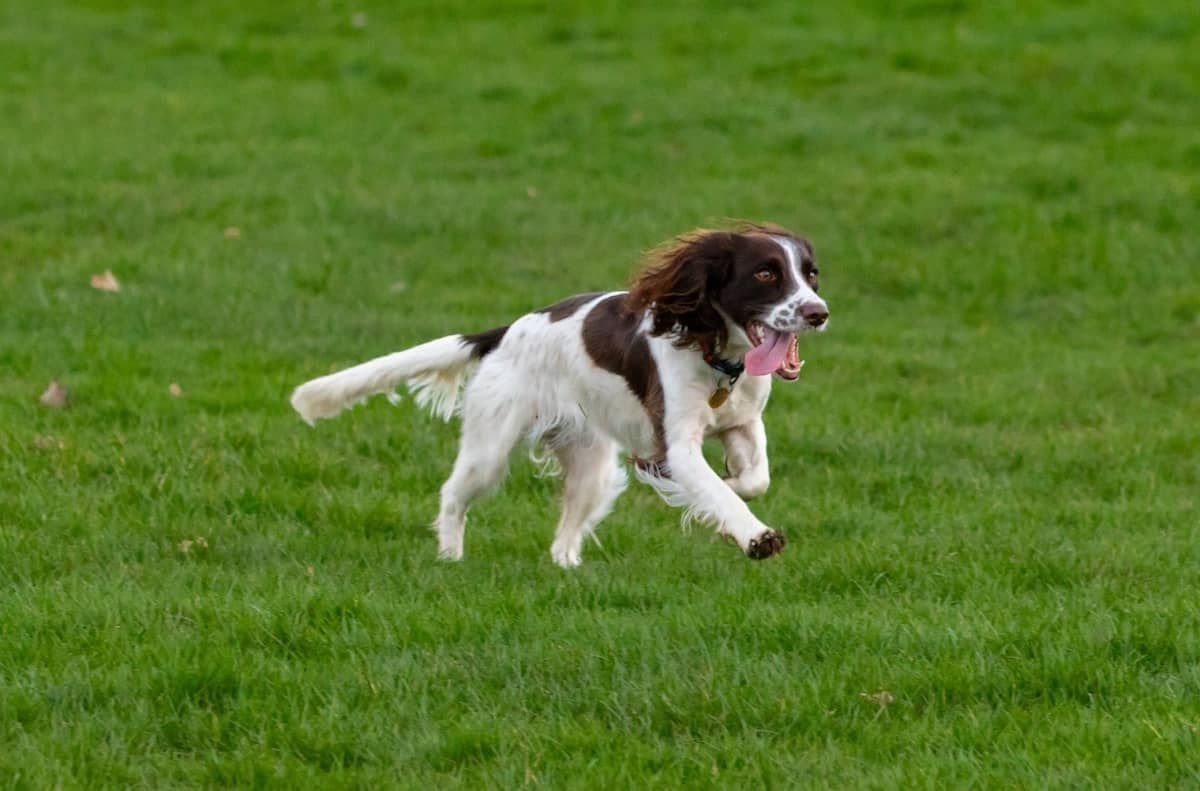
(775, 351)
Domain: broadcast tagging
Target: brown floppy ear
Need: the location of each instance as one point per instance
(678, 286)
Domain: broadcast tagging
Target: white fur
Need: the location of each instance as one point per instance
(787, 314)
(541, 385)
(434, 371)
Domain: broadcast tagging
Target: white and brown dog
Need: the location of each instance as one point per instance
(688, 352)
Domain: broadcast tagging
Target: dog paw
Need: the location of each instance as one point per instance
(450, 553)
(765, 545)
(565, 556)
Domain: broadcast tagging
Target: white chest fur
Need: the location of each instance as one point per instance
(745, 403)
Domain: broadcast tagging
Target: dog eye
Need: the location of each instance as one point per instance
(766, 275)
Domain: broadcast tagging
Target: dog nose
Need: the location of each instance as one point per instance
(814, 314)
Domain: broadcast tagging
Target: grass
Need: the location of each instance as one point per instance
(988, 471)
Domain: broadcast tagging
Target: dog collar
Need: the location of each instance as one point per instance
(731, 369)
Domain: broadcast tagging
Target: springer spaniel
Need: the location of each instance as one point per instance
(686, 353)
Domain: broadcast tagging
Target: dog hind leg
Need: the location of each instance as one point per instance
(593, 479)
(484, 449)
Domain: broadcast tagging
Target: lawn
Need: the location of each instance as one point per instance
(988, 472)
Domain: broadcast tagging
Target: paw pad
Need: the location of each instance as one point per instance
(766, 545)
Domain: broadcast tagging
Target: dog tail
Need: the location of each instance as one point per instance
(434, 372)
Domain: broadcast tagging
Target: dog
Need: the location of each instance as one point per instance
(686, 353)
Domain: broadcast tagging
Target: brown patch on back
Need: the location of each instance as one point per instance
(612, 340)
(566, 308)
(484, 343)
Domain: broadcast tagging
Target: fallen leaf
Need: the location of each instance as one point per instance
(233, 232)
(106, 281)
(310, 571)
(188, 544)
(880, 696)
(55, 396)
(531, 191)
(44, 442)
(174, 389)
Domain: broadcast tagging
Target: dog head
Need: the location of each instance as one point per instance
(749, 291)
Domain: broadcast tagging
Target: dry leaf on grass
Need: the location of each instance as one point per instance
(188, 544)
(106, 281)
(881, 697)
(55, 396)
(232, 232)
(45, 442)
(174, 389)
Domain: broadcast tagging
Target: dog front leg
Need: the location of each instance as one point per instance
(706, 495)
(746, 459)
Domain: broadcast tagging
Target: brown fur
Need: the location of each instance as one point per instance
(675, 286)
(566, 308)
(681, 282)
(484, 343)
(612, 341)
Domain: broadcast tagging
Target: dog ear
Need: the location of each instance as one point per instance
(679, 285)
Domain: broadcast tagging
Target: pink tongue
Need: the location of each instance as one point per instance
(766, 357)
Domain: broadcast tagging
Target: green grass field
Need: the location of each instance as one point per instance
(988, 471)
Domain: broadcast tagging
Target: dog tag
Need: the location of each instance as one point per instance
(718, 398)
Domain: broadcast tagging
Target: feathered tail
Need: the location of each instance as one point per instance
(435, 373)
